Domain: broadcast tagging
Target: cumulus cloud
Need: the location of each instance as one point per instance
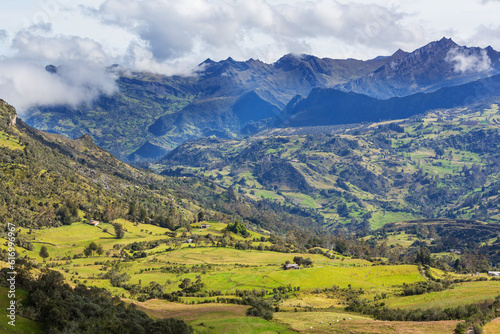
(175, 30)
(467, 61)
(42, 27)
(142, 60)
(82, 73)
(3, 35)
(59, 49)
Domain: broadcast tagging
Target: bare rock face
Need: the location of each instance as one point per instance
(8, 114)
(436, 65)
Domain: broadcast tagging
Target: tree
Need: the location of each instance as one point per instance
(119, 232)
(91, 248)
(259, 307)
(189, 287)
(169, 325)
(303, 262)
(143, 214)
(439, 151)
(201, 216)
(99, 250)
(423, 256)
(44, 253)
(132, 210)
(238, 228)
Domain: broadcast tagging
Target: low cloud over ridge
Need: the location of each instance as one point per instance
(468, 62)
(82, 71)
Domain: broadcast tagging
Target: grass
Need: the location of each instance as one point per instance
(302, 199)
(239, 325)
(310, 300)
(493, 327)
(462, 294)
(357, 277)
(326, 322)
(402, 239)
(9, 142)
(380, 218)
(228, 269)
(22, 325)
(212, 318)
(213, 255)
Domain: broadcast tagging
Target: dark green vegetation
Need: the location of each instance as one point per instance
(63, 309)
(152, 114)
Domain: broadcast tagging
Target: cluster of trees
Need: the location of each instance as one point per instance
(188, 286)
(238, 228)
(307, 262)
(86, 310)
(420, 288)
(91, 248)
(260, 307)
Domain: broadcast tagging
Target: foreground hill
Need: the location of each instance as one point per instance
(49, 180)
(181, 247)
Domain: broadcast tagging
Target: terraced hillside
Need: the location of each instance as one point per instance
(441, 164)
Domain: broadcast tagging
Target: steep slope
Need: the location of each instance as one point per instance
(441, 164)
(49, 180)
(221, 99)
(438, 64)
(331, 106)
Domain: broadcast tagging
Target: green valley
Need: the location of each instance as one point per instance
(442, 164)
(387, 221)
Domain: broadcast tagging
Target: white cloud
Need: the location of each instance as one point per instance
(25, 85)
(469, 62)
(42, 27)
(174, 30)
(59, 49)
(143, 61)
(82, 71)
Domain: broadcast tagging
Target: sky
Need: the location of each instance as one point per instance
(84, 37)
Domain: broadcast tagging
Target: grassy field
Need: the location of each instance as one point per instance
(9, 142)
(492, 327)
(214, 255)
(22, 325)
(229, 269)
(326, 322)
(357, 277)
(212, 318)
(462, 294)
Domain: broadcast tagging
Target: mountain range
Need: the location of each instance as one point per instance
(152, 114)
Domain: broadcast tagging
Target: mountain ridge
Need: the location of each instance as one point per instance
(328, 106)
(426, 69)
(151, 114)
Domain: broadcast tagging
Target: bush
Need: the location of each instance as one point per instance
(260, 308)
